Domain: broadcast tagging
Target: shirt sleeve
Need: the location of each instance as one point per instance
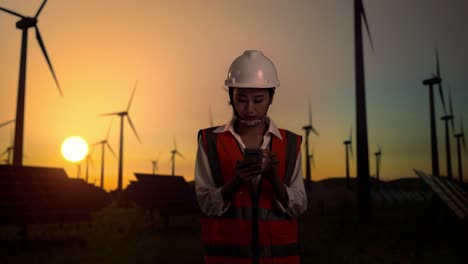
(297, 198)
(209, 196)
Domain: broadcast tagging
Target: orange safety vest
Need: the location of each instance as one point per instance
(252, 230)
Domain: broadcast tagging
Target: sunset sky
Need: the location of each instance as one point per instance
(180, 51)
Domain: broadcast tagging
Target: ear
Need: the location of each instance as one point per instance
(271, 99)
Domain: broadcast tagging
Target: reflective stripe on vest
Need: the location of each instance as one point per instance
(234, 233)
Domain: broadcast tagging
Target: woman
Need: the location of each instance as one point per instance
(249, 205)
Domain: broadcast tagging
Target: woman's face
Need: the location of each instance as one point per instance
(251, 104)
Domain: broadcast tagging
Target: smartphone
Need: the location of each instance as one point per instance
(253, 154)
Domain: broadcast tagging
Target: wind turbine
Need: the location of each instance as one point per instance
(24, 24)
(363, 190)
(448, 152)
(308, 128)
(173, 153)
(155, 164)
(89, 160)
(104, 143)
(122, 115)
(460, 137)
(377, 162)
(348, 147)
(435, 80)
(9, 149)
(8, 152)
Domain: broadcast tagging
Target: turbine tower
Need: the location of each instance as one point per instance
(308, 128)
(460, 137)
(173, 153)
(435, 80)
(122, 115)
(446, 118)
(377, 162)
(363, 190)
(24, 24)
(104, 143)
(348, 148)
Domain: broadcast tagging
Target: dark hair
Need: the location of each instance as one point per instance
(271, 91)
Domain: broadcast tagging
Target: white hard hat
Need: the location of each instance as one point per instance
(252, 70)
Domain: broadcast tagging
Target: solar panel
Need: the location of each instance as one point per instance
(169, 195)
(441, 188)
(36, 195)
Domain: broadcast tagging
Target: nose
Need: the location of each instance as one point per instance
(250, 106)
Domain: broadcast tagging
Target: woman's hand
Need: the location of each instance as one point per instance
(269, 165)
(246, 170)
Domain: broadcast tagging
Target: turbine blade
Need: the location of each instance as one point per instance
(463, 135)
(363, 13)
(110, 148)
(7, 122)
(40, 9)
(44, 51)
(109, 129)
(351, 134)
(4, 152)
(133, 93)
(351, 149)
(441, 92)
(451, 109)
(178, 153)
(107, 114)
(133, 128)
(437, 61)
(315, 131)
(438, 75)
(12, 12)
(310, 112)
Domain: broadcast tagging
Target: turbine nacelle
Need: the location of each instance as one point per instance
(432, 81)
(26, 22)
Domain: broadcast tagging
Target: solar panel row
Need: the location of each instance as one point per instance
(449, 192)
(169, 195)
(37, 195)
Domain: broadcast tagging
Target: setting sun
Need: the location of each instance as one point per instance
(74, 148)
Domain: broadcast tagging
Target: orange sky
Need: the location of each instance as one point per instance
(180, 51)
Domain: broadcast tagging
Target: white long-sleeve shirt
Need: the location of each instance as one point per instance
(209, 196)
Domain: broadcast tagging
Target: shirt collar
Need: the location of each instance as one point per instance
(272, 128)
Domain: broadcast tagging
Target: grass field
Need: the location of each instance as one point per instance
(128, 235)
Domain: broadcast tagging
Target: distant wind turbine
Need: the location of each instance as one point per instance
(89, 160)
(122, 115)
(460, 137)
(210, 114)
(363, 190)
(348, 148)
(155, 164)
(435, 80)
(104, 143)
(173, 153)
(378, 156)
(448, 152)
(308, 128)
(24, 24)
(9, 150)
